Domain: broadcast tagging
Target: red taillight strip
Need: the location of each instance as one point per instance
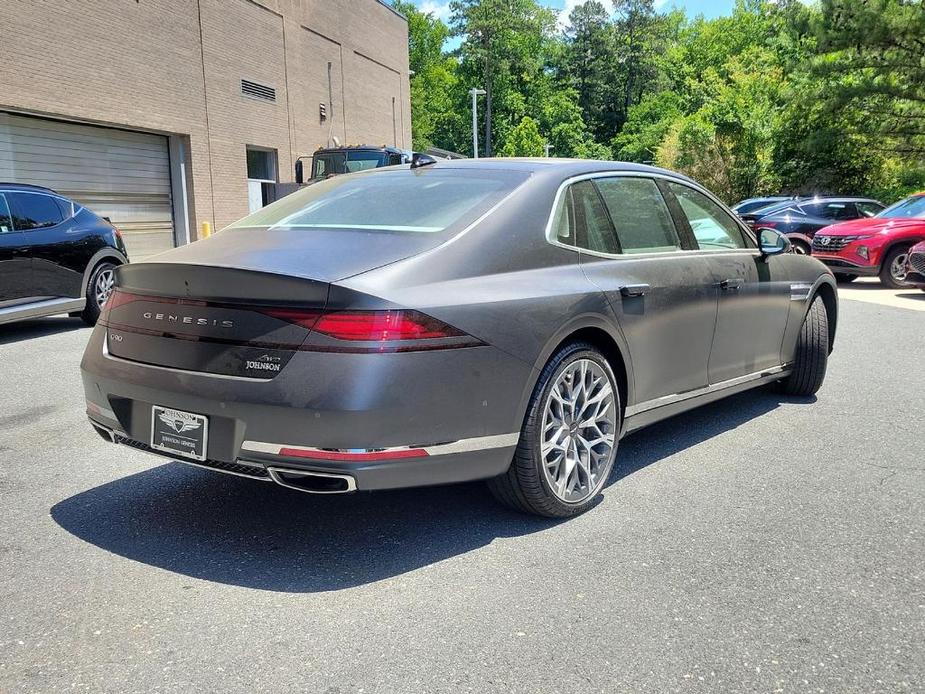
(358, 455)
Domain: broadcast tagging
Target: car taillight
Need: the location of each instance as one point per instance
(383, 326)
(769, 225)
(300, 317)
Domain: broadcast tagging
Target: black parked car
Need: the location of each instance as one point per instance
(799, 220)
(55, 256)
(755, 204)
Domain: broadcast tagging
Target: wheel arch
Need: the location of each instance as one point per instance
(602, 336)
(102, 255)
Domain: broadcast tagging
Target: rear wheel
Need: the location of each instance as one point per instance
(100, 286)
(893, 270)
(812, 354)
(845, 278)
(569, 438)
(800, 247)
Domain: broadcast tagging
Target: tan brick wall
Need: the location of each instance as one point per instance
(142, 65)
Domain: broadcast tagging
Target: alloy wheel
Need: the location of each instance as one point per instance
(105, 281)
(579, 431)
(898, 267)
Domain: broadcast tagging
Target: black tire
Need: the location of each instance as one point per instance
(845, 279)
(812, 354)
(524, 486)
(91, 312)
(800, 247)
(886, 274)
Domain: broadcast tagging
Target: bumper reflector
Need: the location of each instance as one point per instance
(353, 457)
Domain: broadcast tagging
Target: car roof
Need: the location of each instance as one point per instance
(552, 165)
(27, 186)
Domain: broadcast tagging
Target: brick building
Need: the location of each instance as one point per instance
(164, 114)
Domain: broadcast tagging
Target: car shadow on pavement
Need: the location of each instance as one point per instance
(258, 535)
(38, 327)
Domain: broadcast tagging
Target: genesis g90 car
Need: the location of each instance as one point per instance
(55, 255)
(506, 320)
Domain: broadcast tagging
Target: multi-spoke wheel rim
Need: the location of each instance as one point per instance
(105, 281)
(898, 267)
(579, 431)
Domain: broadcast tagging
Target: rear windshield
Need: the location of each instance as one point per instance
(910, 207)
(421, 201)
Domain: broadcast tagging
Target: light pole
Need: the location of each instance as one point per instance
(475, 92)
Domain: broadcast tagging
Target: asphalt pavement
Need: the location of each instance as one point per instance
(761, 543)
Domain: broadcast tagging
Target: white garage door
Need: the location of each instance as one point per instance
(118, 174)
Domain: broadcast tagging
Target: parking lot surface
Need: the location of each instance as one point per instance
(757, 544)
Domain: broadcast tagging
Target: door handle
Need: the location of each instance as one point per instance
(634, 290)
(731, 284)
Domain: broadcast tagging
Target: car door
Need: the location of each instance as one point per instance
(662, 297)
(753, 292)
(15, 260)
(57, 246)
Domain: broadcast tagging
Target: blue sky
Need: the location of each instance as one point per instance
(708, 8)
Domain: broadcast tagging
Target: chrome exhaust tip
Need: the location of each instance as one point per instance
(312, 482)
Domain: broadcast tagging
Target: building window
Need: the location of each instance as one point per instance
(261, 176)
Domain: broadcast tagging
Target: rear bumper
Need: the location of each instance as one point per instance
(330, 413)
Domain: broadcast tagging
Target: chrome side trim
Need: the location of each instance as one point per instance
(800, 291)
(713, 388)
(275, 475)
(461, 446)
(550, 237)
(49, 307)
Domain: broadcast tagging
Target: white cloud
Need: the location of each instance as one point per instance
(572, 4)
(440, 10)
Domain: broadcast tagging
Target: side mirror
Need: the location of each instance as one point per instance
(299, 172)
(771, 242)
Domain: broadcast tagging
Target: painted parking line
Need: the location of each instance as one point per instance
(872, 292)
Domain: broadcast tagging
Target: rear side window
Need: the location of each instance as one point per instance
(592, 218)
(33, 211)
(639, 214)
(869, 209)
(423, 201)
(6, 219)
(713, 228)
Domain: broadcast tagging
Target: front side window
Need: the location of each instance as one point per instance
(713, 228)
(639, 213)
(33, 211)
(424, 201)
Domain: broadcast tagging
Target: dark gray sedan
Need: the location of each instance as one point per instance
(506, 320)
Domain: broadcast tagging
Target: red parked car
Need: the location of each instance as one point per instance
(878, 246)
(915, 266)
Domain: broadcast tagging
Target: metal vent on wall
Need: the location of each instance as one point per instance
(258, 91)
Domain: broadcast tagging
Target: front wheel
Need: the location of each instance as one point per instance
(800, 247)
(568, 442)
(812, 353)
(893, 270)
(100, 286)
